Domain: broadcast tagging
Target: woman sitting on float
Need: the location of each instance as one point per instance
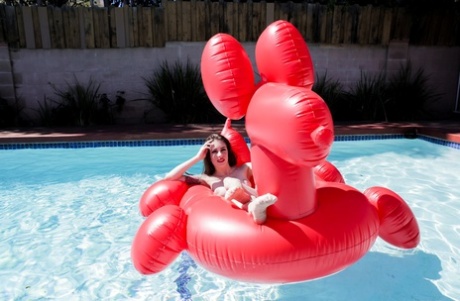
(225, 177)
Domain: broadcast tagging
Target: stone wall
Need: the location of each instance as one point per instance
(29, 74)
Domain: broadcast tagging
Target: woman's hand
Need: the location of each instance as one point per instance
(203, 151)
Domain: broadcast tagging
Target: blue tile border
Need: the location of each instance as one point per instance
(93, 144)
(195, 141)
(440, 141)
(368, 137)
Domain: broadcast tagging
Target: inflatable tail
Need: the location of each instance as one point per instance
(398, 225)
(159, 240)
(161, 193)
(326, 171)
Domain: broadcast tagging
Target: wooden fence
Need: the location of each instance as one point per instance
(50, 27)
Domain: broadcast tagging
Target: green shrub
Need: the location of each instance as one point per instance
(46, 113)
(368, 98)
(406, 96)
(80, 105)
(333, 93)
(409, 94)
(178, 91)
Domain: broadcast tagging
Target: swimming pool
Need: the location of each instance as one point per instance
(68, 217)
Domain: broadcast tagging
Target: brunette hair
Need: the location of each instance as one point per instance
(209, 168)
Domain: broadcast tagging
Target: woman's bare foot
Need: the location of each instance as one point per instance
(237, 193)
(258, 207)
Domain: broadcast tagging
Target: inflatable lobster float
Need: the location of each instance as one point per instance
(318, 226)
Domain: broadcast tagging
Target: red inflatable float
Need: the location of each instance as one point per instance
(318, 226)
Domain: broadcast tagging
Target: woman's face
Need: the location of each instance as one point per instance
(219, 153)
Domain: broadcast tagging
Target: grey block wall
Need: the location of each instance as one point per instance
(36, 70)
(7, 90)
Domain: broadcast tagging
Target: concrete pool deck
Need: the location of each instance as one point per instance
(446, 130)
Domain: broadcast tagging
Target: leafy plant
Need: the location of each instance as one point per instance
(45, 113)
(80, 105)
(404, 97)
(333, 93)
(368, 97)
(178, 91)
(408, 94)
(78, 101)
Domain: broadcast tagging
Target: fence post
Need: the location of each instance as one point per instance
(120, 26)
(28, 27)
(44, 27)
(270, 13)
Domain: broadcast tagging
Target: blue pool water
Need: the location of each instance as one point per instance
(68, 217)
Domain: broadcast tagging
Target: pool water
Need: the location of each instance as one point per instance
(68, 217)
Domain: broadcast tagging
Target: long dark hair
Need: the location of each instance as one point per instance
(209, 168)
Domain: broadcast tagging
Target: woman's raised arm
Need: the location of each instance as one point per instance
(177, 172)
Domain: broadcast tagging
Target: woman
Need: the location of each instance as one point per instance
(227, 180)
